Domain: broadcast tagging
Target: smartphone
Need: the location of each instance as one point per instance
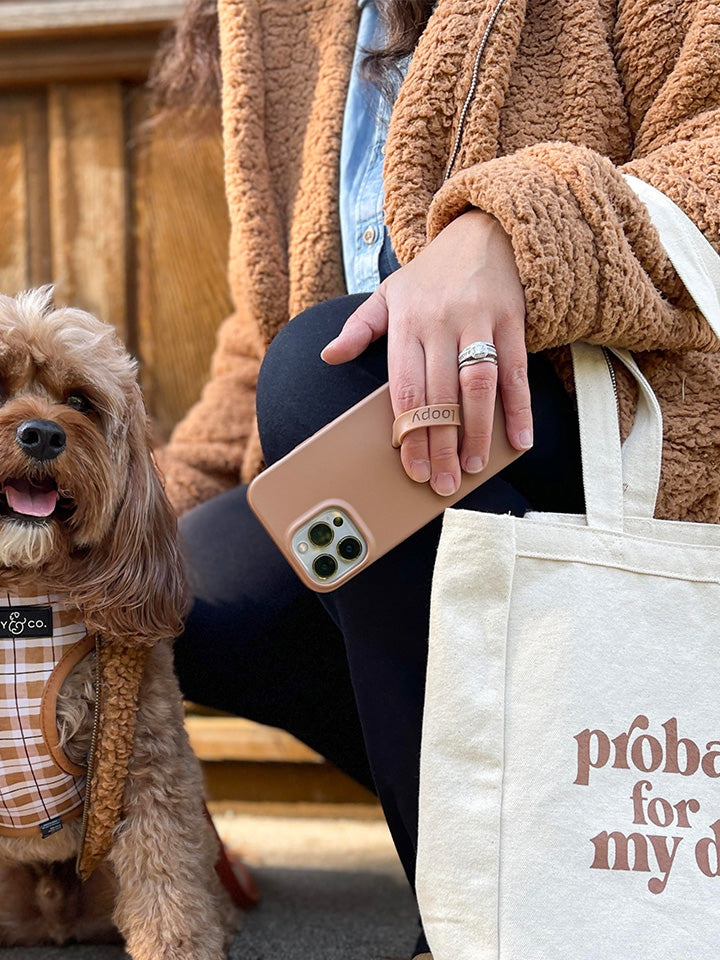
(341, 499)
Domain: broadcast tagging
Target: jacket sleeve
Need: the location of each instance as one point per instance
(589, 258)
(215, 445)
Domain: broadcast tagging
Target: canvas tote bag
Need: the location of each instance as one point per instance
(570, 768)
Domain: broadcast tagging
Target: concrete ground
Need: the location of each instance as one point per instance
(331, 889)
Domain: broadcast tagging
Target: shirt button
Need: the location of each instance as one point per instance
(369, 235)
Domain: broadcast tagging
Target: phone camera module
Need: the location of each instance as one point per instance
(328, 546)
(324, 565)
(349, 548)
(320, 534)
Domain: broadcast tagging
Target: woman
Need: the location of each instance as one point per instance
(505, 203)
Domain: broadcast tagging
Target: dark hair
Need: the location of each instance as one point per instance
(186, 76)
(404, 21)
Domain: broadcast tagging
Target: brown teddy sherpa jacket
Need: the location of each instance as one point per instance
(570, 94)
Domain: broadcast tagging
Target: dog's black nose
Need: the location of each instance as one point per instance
(40, 439)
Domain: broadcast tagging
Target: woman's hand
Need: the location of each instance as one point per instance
(464, 286)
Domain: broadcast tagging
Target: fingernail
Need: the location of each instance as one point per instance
(474, 464)
(525, 439)
(420, 470)
(444, 484)
(326, 348)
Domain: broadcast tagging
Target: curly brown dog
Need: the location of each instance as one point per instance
(101, 820)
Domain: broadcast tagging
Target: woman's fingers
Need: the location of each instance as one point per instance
(406, 373)
(478, 386)
(442, 387)
(366, 324)
(513, 382)
(423, 374)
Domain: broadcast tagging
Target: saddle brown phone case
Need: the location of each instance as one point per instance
(348, 478)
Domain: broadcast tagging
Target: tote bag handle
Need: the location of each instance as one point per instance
(625, 483)
(618, 483)
(690, 252)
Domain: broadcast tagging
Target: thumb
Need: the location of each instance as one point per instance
(366, 324)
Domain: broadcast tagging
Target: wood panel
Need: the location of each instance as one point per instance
(128, 225)
(89, 199)
(131, 227)
(30, 63)
(46, 41)
(43, 18)
(25, 236)
(182, 232)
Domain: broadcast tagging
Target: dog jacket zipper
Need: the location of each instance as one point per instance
(41, 640)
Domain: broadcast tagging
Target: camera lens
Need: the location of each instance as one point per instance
(349, 548)
(324, 566)
(320, 534)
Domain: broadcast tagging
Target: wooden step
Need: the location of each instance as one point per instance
(245, 762)
(217, 738)
(298, 810)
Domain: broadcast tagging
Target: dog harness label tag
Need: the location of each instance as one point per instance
(51, 826)
(25, 622)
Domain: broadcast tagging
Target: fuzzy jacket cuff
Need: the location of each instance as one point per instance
(589, 258)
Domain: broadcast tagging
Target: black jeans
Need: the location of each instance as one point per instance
(345, 672)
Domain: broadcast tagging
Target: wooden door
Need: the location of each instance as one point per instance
(127, 223)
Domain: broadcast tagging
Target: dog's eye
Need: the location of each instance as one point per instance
(79, 402)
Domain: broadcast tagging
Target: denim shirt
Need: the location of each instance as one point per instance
(367, 253)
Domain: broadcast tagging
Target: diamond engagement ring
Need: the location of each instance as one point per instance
(479, 352)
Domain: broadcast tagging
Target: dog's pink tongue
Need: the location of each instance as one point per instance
(33, 501)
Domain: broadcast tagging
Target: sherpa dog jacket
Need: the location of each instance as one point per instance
(571, 94)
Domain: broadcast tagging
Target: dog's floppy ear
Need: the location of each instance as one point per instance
(136, 583)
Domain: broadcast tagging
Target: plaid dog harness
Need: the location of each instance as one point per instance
(41, 640)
